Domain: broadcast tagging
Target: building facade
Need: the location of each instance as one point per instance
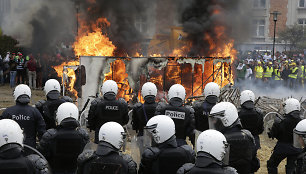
(291, 12)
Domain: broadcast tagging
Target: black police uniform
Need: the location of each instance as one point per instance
(142, 113)
(48, 108)
(14, 161)
(301, 163)
(105, 110)
(252, 120)
(205, 163)
(183, 117)
(201, 112)
(166, 158)
(106, 159)
(61, 146)
(282, 130)
(242, 149)
(29, 119)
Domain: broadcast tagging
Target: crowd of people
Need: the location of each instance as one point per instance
(281, 70)
(33, 70)
(224, 139)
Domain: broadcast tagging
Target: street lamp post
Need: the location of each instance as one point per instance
(275, 14)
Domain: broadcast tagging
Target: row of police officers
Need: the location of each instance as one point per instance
(226, 140)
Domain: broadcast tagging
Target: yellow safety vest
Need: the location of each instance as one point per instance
(277, 74)
(268, 72)
(259, 72)
(292, 75)
(302, 70)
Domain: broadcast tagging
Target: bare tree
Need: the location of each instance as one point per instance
(294, 36)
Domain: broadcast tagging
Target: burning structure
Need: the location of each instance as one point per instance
(110, 47)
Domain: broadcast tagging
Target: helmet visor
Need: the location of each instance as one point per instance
(215, 121)
(225, 159)
(298, 139)
(150, 132)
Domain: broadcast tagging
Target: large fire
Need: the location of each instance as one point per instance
(91, 41)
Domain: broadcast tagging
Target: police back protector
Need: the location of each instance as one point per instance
(171, 159)
(68, 144)
(109, 111)
(20, 165)
(241, 150)
(110, 164)
(178, 115)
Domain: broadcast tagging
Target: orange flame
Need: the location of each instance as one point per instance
(95, 43)
(68, 75)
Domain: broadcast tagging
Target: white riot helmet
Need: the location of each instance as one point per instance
(52, 88)
(214, 143)
(247, 95)
(222, 115)
(212, 88)
(112, 133)
(22, 93)
(161, 127)
(109, 86)
(299, 134)
(291, 105)
(149, 88)
(66, 110)
(178, 91)
(10, 132)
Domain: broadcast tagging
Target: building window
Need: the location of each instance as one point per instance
(302, 3)
(259, 3)
(259, 27)
(302, 22)
(141, 23)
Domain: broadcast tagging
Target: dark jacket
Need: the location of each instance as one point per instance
(64, 144)
(166, 158)
(14, 160)
(142, 113)
(106, 159)
(29, 119)
(205, 163)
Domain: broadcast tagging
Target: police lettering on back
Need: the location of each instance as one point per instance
(112, 108)
(175, 114)
(21, 117)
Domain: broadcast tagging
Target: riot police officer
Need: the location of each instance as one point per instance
(251, 118)
(143, 112)
(61, 146)
(224, 118)
(167, 156)
(202, 109)
(107, 158)
(183, 116)
(13, 159)
(48, 107)
(299, 141)
(212, 153)
(282, 131)
(28, 117)
(107, 109)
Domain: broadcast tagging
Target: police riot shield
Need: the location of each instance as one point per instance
(269, 120)
(196, 135)
(28, 150)
(135, 151)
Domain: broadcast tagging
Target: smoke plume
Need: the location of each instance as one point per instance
(213, 20)
(41, 25)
